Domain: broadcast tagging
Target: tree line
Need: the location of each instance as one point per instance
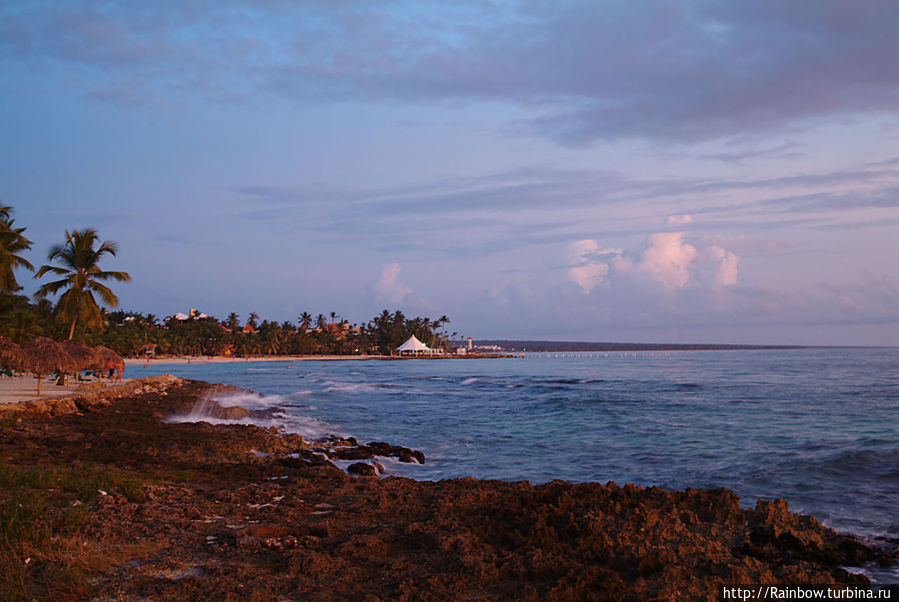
(85, 310)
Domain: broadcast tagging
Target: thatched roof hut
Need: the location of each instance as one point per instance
(43, 356)
(104, 356)
(82, 356)
(107, 359)
(11, 355)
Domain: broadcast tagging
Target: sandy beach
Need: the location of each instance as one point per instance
(114, 502)
(24, 388)
(262, 358)
(135, 362)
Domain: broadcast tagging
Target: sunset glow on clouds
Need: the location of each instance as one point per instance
(721, 172)
(666, 260)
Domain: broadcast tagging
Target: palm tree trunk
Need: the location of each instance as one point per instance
(72, 329)
(39, 379)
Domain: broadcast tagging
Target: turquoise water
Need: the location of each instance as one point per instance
(817, 427)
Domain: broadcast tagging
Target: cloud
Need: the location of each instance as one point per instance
(747, 244)
(587, 260)
(589, 275)
(389, 289)
(653, 69)
(666, 260)
(719, 267)
(678, 220)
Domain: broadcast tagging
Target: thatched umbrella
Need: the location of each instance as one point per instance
(43, 356)
(83, 356)
(11, 355)
(105, 358)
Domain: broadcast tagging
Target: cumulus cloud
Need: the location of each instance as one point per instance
(666, 260)
(389, 288)
(678, 220)
(589, 275)
(588, 263)
(719, 266)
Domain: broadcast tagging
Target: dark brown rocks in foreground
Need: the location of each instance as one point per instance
(238, 512)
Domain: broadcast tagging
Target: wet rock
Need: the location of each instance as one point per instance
(310, 457)
(404, 454)
(352, 453)
(228, 413)
(362, 469)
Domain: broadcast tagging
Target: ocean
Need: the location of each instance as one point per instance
(818, 427)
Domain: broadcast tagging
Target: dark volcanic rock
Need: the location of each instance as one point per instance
(375, 448)
(352, 453)
(228, 412)
(362, 469)
(404, 454)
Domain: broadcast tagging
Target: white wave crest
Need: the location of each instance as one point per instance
(340, 387)
(204, 410)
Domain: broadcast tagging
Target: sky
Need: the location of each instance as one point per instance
(631, 171)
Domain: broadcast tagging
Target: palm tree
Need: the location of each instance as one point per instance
(12, 242)
(23, 325)
(305, 320)
(81, 275)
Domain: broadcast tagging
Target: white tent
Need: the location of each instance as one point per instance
(413, 346)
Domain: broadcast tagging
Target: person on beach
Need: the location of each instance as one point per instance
(115, 370)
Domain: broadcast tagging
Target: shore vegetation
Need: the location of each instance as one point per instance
(85, 310)
(81, 277)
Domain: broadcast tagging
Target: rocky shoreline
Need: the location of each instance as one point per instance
(101, 498)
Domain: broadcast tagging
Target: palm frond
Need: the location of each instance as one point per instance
(106, 295)
(21, 262)
(120, 276)
(108, 246)
(51, 268)
(51, 288)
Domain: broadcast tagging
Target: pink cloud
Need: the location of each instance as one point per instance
(588, 262)
(389, 288)
(668, 260)
(678, 220)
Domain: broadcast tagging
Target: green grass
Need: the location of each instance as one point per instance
(46, 551)
(82, 481)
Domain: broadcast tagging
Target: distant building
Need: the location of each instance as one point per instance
(488, 347)
(193, 314)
